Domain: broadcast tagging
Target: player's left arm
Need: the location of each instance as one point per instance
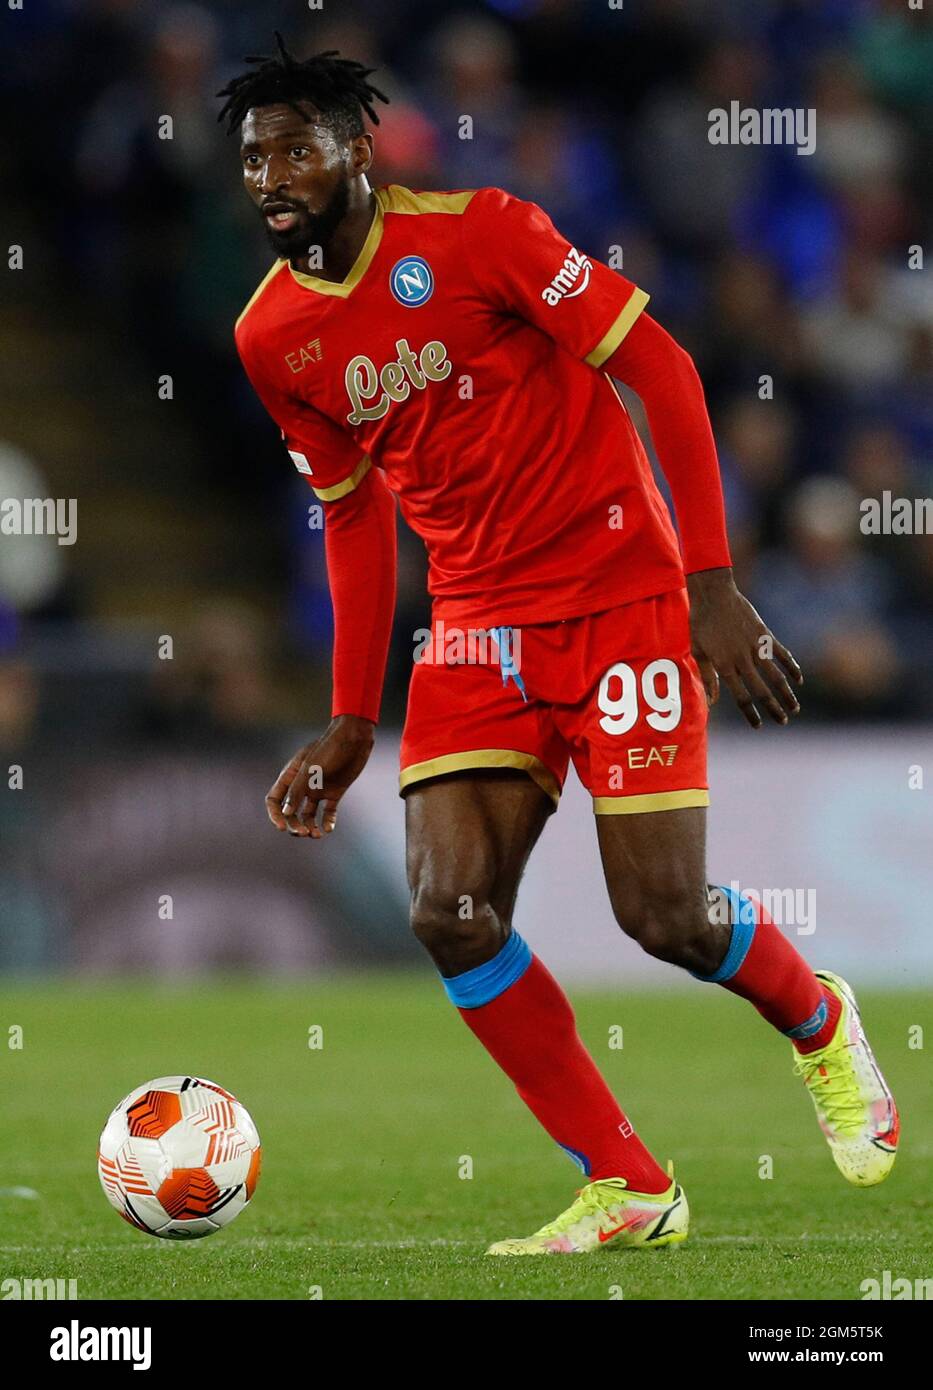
(523, 265)
(730, 640)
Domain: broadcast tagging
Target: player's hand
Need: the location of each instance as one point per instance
(731, 643)
(317, 777)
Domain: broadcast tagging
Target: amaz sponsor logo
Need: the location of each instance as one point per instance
(571, 280)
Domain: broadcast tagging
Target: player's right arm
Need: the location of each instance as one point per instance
(360, 544)
(360, 548)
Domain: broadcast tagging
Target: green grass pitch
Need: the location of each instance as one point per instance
(364, 1139)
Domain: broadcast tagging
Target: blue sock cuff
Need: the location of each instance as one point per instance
(744, 922)
(477, 987)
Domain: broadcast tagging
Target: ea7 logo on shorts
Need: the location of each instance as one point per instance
(571, 280)
(412, 281)
(645, 757)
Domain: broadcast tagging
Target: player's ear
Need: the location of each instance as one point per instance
(361, 154)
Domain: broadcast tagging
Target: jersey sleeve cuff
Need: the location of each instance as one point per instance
(331, 494)
(608, 344)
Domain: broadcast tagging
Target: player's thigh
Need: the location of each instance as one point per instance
(655, 868)
(638, 739)
(468, 836)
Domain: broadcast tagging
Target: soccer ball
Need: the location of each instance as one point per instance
(179, 1157)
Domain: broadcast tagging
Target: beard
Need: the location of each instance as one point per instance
(313, 230)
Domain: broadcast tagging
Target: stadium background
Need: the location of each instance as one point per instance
(144, 778)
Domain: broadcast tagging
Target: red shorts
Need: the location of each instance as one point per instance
(617, 692)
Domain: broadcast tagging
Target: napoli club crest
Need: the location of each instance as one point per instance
(412, 281)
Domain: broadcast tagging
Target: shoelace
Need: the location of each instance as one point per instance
(841, 1105)
(589, 1202)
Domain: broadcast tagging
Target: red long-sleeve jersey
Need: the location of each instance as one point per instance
(467, 356)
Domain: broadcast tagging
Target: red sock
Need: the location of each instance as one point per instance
(530, 1031)
(774, 976)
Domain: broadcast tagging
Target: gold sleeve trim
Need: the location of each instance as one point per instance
(607, 346)
(331, 494)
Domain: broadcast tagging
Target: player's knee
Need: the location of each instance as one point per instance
(669, 922)
(458, 930)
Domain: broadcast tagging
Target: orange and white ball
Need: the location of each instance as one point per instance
(179, 1157)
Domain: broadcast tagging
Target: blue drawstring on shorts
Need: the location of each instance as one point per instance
(503, 640)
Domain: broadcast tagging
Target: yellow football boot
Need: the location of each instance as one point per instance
(853, 1104)
(607, 1215)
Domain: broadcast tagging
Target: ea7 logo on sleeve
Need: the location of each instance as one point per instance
(571, 280)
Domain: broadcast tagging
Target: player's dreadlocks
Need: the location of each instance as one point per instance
(335, 86)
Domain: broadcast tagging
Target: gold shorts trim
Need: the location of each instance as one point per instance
(654, 801)
(482, 757)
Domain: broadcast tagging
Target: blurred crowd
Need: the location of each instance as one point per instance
(789, 278)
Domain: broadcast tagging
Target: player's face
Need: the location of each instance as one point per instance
(297, 173)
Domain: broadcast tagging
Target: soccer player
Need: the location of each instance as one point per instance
(455, 351)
